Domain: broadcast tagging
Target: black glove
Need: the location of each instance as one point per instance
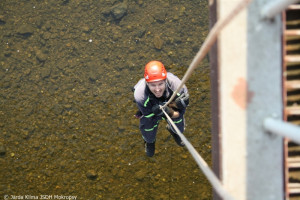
(182, 101)
(138, 114)
(158, 112)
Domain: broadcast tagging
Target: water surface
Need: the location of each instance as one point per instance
(66, 113)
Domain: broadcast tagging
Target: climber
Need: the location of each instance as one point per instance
(150, 93)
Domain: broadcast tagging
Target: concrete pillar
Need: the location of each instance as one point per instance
(250, 161)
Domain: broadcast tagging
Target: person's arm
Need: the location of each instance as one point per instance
(170, 111)
(176, 114)
(179, 105)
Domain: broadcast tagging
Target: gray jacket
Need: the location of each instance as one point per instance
(146, 100)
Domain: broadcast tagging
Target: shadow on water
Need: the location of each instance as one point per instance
(66, 115)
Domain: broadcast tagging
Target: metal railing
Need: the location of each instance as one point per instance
(275, 7)
(282, 128)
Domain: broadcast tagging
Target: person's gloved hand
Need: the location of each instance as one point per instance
(182, 101)
(158, 112)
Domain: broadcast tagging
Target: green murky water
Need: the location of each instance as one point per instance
(66, 112)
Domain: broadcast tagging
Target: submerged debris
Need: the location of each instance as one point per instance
(25, 30)
(158, 42)
(2, 150)
(91, 174)
(2, 20)
(119, 11)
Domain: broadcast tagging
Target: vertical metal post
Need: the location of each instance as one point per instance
(214, 79)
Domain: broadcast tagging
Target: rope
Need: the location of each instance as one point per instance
(209, 41)
(201, 163)
(171, 175)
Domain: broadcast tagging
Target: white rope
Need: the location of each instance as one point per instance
(209, 41)
(217, 185)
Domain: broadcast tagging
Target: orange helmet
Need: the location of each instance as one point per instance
(155, 71)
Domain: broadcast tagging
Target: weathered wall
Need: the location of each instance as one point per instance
(249, 90)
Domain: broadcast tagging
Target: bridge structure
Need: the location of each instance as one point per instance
(255, 81)
(291, 95)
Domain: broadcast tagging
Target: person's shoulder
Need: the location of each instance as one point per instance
(171, 76)
(174, 82)
(173, 79)
(139, 90)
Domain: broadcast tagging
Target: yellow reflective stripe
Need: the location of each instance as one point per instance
(151, 129)
(176, 122)
(145, 104)
(150, 115)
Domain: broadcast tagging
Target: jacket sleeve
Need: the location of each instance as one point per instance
(174, 83)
